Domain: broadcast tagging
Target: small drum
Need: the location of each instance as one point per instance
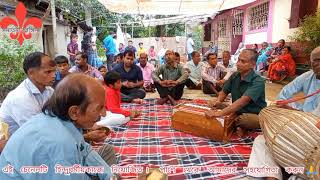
(292, 138)
(191, 119)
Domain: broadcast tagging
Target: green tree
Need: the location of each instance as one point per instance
(308, 32)
(11, 63)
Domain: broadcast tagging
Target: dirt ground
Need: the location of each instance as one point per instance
(272, 91)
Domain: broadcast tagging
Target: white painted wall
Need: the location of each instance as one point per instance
(282, 13)
(158, 43)
(255, 38)
(280, 24)
(63, 39)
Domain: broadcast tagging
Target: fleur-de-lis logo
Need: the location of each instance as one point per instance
(21, 23)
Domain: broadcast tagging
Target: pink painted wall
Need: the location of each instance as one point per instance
(246, 9)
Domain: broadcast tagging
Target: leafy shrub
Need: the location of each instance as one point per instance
(11, 60)
(308, 32)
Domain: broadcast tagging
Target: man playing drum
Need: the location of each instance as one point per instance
(247, 91)
(307, 83)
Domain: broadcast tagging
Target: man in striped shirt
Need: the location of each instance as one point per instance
(211, 75)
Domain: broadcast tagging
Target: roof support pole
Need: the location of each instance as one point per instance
(54, 27)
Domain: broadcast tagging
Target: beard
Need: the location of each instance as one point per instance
(79, 65)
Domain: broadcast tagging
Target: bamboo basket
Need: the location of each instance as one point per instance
(292, 138)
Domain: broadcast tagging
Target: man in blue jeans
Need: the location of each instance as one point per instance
(110, 48)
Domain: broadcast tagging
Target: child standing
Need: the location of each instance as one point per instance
(115, 114)
(73, 48)
(62, 69)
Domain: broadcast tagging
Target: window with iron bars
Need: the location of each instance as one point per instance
(258, 17)
(222, 27)
(237, 23)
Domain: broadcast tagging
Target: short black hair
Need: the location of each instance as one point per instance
(33, 60)
(61, 59)
(120, 55)
(129, 53)
(101, 67)
(228, 52)
(89, 28)
(194, 53)
(140, 43)
(254, 54)
(130, 41)
(211, 54)
(83, 55)
(65, 96)
(282, 40)
(73, 35)
(176, 54)
(111, 78)
(288, 47)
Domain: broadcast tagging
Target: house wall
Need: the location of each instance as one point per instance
(256, 36)
(282, 13)
(62, 39)
(278, 23)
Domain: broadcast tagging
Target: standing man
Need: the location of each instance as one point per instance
(170, 85)
(247, 91)
(110, 48)
(141, 49)
(131, 78)
(130, 47)
(147, 69)
(190, 46)
(87, 46)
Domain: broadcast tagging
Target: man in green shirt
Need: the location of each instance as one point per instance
(247, 91)
(170, 85)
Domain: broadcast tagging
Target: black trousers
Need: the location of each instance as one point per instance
(191, 85)
(207, 87)
(129, 94)
(175, 92)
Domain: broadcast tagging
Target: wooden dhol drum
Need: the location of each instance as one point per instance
(191, 119)
(292, 138)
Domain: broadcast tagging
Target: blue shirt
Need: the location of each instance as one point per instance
(133, 75)
(110, 45)
(306, 83)
(46, 140)
(131, 48)
(22, 103)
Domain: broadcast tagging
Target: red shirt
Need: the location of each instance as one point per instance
(113, 102)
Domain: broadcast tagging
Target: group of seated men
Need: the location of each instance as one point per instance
(58, 124)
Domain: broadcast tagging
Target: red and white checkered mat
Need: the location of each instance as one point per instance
(150, 142)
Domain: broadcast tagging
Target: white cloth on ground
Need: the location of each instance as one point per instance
(112, 119)
(261, 157)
